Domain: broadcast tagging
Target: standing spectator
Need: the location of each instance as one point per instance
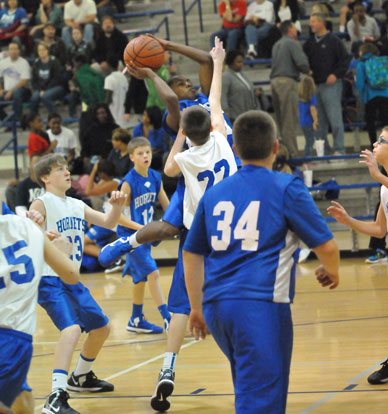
(56, 45)
(119, 154)
(66, 140)
(259, 20)
(288, 61)
(79, 13)
(329, 62)
(232, 13)
(46, 80)
(308, 117)
(375, 100)
(151, 128)
(238, 92)
(48, 12)
(137, 96)
(322, 8)
(13, 23)
(361, 28)
(96, 138)
(110, 42)
(116, 87)
(38, 139)
(15, 72)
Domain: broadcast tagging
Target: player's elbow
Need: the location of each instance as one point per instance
(327, 249)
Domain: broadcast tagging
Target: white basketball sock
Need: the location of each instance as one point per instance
(169, 360)
(59, 380)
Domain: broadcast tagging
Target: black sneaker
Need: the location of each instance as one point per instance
(116, 266)
(57, 403)
(88, 383)
(380, 376)
(164, 389)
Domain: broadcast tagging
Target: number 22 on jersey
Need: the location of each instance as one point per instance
(245, 229)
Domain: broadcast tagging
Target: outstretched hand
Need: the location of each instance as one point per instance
(218, 51)
(325, 278)
(338, 212)
(117, 198)
(370, 161)
(164, 43)
(197, 325)
(35, 216)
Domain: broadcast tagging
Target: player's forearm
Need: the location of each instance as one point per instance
(126, 222)
(328, 255)
(216, 88)
(109, 220)
(371, 229)
(193, 265)
(171, 168)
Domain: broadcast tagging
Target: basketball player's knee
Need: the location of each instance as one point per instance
(71, 334)
(103, 332)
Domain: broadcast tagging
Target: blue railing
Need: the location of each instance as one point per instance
(186, 11)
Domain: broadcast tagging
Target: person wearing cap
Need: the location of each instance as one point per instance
(57, 47)
(48, 12)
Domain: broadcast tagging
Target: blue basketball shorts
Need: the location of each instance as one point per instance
(100, 235)
(69, 305)
(174, 211)
(178, 300)
(139, 263)
(256, 336)
(15, 358)
(90, 264)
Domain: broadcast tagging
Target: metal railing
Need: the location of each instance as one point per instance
(10, 120)
(186, 11)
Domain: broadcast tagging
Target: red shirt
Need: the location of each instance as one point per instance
(36, 144)
(238, 7)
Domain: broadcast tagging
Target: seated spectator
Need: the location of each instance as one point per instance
(361, 28)
(151, 128)
(111, 41)
(96, 138)
(87, 85)
(258, 22)
(79, 13)
(46, 81)
(66, 140)
(116, 87)
(238, 92)
(28, 190)
(78, 46)
(13, 23)
(48, 12)
(375, 100)
(38, 140)
(20, 194)
(15, 72)
(119, 154)
(383, 41)
(165, 73)
(31, 7)
(56, 45)
(232, 13)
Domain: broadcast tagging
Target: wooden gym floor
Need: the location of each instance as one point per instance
(340, 337)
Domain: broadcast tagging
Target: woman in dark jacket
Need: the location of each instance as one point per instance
(46, 80)
(96, 136)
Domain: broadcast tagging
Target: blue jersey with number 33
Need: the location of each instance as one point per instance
(248, 226)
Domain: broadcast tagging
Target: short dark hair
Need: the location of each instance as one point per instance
(196, 123)
(155, 115)
(108, 16)
(285, 26)
(107, 167)
(254, 135)
(53, 115)
(121, 134)
(27, 118)
(138, 142)
(45, 165)
(368, 47)
(231, 56)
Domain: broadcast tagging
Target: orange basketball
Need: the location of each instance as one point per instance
(144, 51)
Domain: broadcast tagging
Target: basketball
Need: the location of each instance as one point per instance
(144, 51)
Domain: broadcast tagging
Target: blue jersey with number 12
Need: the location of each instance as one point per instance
(144, 192)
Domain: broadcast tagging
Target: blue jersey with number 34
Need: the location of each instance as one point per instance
(248, 227)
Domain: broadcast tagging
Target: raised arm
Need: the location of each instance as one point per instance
(167, 95)
(216, 115)
(107, 220)
(200, 56)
